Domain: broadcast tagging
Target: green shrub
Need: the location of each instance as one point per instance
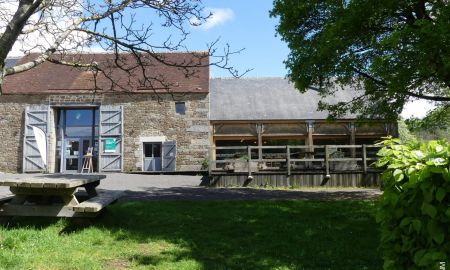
(205, 163)
(414, 210)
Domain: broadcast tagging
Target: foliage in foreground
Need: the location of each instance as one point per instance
(201, 235)
(414, 211)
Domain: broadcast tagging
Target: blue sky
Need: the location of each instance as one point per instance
(243, 24)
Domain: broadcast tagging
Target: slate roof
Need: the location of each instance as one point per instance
(11, 61)
(53, 78)
(267, 99)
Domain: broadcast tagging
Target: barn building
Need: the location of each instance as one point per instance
(130, 123)
(265, 132)
(270, 111)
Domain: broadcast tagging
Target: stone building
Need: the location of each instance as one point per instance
(151, 119)
(157, 118)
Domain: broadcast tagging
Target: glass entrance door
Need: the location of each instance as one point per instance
(72, 155)
(74, 150)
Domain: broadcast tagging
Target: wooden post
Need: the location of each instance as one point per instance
(288, 159)
(212, 141)
(352, 139)
(327, 165)
(210, 161)
(288, 164)
(212, 148)
(310, 142)
(310, 128)
(364, 160)
(259, 129)
(249, 161)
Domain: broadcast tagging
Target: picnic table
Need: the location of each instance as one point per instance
(54, 195)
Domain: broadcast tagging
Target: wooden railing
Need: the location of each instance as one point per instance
(292, 158)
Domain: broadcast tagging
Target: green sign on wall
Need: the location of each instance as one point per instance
(110, 145)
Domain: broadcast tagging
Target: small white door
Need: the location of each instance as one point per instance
(152, 157)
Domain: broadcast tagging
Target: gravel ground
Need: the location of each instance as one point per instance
(201, 193)
(182, 187)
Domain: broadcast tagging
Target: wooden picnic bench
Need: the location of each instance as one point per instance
(6, 198)
(55, 195)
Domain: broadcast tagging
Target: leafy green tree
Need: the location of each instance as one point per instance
(435, 125)
(389, 51)
(404, 134)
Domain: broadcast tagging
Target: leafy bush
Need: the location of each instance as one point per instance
(205, 163)
(414, 211)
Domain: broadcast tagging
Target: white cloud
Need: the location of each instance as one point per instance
(417, 108)
(219, 16)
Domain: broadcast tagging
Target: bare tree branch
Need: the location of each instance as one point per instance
(59, 27)
(408, 93)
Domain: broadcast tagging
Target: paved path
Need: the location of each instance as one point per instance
(182, 187)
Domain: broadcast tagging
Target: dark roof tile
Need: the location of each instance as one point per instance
(54, 78)
(267, 99)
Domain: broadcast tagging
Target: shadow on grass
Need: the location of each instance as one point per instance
(37, 223)
(253, 234)
(200, 193)
(238, 234)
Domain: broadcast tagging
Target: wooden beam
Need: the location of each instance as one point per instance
(310, 142)
(97, 203)
(249, 153)
(310, 129)
(327, 163)
(331, 135)
(234, 138)
(259, 129)
(212, 143)
(370, 135)
(290, 135)
(351, 128)
(364, 158)
(236, 135)
(288, 160)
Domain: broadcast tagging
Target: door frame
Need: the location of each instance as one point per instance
(62, 110)
(151, 139)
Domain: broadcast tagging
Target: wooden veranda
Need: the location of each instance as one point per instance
(294, 165)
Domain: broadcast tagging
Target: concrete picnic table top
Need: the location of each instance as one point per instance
(49, 180)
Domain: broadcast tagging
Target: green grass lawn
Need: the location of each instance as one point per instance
(200, 235)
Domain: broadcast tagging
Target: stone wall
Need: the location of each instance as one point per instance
(145, 115)
(151, 115)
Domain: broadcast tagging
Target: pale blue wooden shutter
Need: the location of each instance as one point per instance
(111, 130)
(169, 153)
(35, 116)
